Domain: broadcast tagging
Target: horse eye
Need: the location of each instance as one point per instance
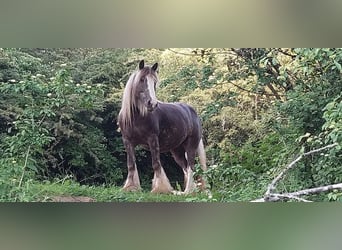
(142, 79)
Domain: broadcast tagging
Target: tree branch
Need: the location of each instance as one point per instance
(272, 185)
(253, 92)
(275, 93)
(25, 164)
(280, 197)
(294, 195)
(271, 196)
(317, 190)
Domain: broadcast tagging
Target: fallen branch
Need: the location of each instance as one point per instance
(317, 190)
(294, 195)
(280, 197)
(271, 196)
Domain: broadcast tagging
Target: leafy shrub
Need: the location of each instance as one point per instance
(235, 183)
(41, 108)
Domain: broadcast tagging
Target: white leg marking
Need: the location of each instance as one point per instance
(160, 183)
(185, 178)
(190, 184)
(132, 182)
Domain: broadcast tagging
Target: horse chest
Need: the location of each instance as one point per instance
(140, 134)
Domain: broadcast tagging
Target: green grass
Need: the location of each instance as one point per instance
(47, 190)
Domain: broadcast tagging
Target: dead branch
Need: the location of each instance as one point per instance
(294, 195)
(280, 197)
(272, 185)
(271, 196)
(317, 190)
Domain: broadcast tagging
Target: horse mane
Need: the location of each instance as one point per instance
(129, 102)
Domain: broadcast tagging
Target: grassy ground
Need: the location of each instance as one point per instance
(48, 191)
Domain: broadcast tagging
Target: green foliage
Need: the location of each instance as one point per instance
(333, 121)
(89, 160)
(258, 156)
(39, 108)
(14, 64)
(326, 169)
(235, 183)
(258, 106)
(313, 109)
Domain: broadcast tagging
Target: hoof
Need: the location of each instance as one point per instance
(161, 184)
(131, 189)
(161, 190)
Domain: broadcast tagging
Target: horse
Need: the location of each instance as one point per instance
(159, 127)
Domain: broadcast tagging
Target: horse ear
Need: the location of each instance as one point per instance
(155, 67)
(141, 64)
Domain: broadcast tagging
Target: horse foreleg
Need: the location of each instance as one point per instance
(132, 182)
(160, 182)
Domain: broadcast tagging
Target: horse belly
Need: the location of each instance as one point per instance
(171, 138)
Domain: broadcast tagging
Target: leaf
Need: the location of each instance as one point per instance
(330, 105)
(338, 66)
(274, 61)
(32, 167)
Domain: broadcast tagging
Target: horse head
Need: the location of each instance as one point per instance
(145, 86)
(140, 93)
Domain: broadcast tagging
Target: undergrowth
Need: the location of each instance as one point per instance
(45, 191)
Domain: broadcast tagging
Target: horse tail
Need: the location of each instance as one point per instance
(202, 156)
(203, 163)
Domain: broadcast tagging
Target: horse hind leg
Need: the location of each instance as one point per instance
(178, 155)
(191, 152)
(188, 156)
(186, 159)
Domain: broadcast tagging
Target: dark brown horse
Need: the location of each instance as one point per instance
(159, 127)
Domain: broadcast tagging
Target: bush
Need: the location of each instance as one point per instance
(44, 116)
